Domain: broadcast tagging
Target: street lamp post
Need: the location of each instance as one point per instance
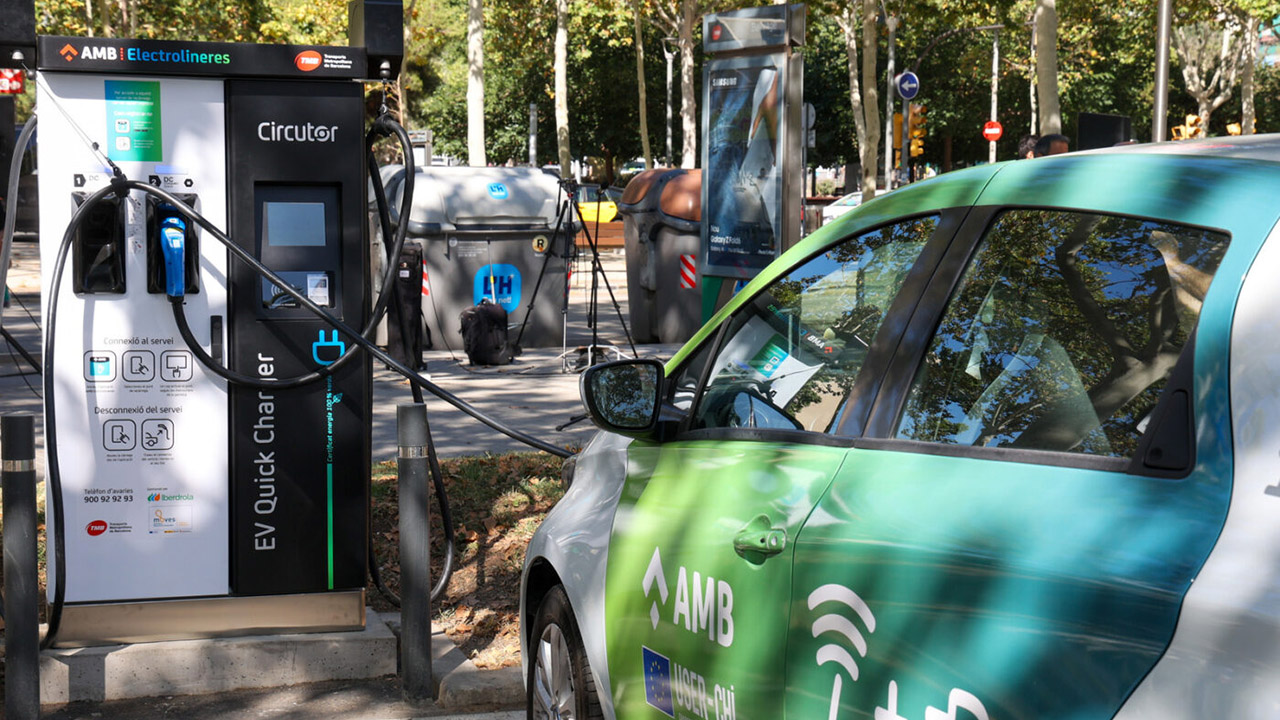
(670, 53)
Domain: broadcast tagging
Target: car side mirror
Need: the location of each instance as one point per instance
(624, 396)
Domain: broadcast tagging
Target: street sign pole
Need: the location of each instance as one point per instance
(905, 167)
(995, 86)
(908, 86)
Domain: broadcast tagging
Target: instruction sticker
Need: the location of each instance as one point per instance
(133, 120)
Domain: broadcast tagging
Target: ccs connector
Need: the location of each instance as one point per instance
(173, 236)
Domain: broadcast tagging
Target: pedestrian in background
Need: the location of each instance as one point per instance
(1052, 145)
(1027, 146)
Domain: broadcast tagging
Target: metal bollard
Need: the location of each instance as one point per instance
(21, 579)
(415, 555)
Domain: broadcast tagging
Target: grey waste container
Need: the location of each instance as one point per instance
(676, 249)
(499, 233)
(639, 210)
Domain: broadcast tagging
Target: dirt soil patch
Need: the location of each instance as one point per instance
(497, 501)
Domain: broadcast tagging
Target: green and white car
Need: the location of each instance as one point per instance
(1002, 444)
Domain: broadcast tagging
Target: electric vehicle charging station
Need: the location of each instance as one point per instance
(194, 507)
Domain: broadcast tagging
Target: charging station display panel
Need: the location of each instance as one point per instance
(142, 456)
(299, 236)
(300, 458)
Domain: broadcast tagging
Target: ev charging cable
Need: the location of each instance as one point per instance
(11, 217)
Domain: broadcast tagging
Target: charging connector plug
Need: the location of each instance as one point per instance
(173, 241)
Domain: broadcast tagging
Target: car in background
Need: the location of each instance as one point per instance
(997, 445)
(840, 206)
(598, 204)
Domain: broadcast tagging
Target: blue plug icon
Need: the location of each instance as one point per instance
(333, 346)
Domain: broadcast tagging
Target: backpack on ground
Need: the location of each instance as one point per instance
(484, 334)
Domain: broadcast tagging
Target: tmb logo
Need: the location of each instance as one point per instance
(96, 528)
(68, 52)
(307, 60)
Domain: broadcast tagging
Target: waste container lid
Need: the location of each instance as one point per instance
(682, 197)
(460, 198)
(641, 187)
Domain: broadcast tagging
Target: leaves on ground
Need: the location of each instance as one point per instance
(497, 501)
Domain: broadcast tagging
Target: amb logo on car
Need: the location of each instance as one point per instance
(707, 604)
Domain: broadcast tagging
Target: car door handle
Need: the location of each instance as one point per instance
(759, 539)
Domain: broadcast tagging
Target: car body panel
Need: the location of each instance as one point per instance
(1041, 593)
(571, 547)
(1225, 655)
(678, 589)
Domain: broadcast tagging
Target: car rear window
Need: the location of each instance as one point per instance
(1061, 333)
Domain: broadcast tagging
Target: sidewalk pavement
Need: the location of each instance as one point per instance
(536, 394)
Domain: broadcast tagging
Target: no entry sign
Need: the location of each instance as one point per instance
(992, 130)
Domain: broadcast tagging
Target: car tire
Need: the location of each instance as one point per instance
(560, 684)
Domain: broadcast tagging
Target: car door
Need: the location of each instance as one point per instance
(700, 559)
(1033, 495)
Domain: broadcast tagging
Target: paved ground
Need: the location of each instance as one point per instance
(536, 394)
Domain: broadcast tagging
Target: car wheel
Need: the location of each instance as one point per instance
(560, 684)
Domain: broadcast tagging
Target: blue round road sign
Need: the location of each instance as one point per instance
(908, 85)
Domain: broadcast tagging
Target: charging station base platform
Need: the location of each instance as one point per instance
(90, 624)
(196, 667)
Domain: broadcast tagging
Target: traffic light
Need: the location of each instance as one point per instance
(897, 125)
(915, 128)
(1194, 128)
(1191, 130)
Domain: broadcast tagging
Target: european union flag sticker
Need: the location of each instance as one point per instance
(657, 682)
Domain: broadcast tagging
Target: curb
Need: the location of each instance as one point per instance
(460, 685)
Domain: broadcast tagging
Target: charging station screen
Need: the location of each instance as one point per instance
(293, 224)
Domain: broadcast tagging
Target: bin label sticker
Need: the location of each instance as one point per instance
(500, 283)
(540, 244)
(498, 191)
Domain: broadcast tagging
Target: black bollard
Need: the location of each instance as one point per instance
(415, 555)
(21, 579)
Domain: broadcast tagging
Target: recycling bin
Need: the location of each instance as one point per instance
(640, 217)
(500, 233)
(676, 251)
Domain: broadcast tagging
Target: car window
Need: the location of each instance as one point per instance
(791, 355)
(683, 385)
(1061, 333)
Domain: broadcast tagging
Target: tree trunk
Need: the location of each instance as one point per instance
(562, 87)
(848, 22)
(870, 100)
(688, 98)
(104, 10)
(1046, 29)
(475, 83)
(644, 105)
(1246, 77)
(88, 17)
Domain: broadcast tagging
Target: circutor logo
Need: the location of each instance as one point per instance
(68, 52)
(307, 60)
(96, 528)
